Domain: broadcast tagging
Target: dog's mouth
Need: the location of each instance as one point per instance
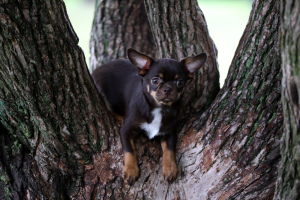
(166, 101)
(165, 95)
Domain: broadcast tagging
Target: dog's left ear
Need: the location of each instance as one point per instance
(192, 64)
(141, 61)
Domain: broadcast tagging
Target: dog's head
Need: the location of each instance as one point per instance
(164, 79)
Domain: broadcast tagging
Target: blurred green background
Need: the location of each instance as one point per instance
(226, 20)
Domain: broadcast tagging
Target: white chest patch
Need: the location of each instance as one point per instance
(152, 129)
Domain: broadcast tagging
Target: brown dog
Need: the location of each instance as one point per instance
(146, 92)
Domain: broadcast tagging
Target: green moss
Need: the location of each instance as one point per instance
(257, 122)
(223, 103)
(24, 129)
(40, 127)
(273, 116)
(251, 92)
(8, 192)
(265, 57)
(249, 141)
(227, 179)
(3, 178)
(16, 148)
(105, 40)
(250, 61)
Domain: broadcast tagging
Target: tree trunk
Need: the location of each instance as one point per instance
(232, 150)
(61, 143)
(48, 104)
(117, 26)
(288, 186)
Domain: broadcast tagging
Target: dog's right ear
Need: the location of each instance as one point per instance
(141, 61)
(192, 64)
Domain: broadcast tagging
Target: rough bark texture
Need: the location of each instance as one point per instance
(236, 152)
(48, 103)
(180, 30)
(119, 25)
(60, 142)
(288, 186)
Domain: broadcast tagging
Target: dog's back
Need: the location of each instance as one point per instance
(114, 81)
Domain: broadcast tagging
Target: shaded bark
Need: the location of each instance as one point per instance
(13, 167)
(288, 186)
(47, 102)
(119, 25)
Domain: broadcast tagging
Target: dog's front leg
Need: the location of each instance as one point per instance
(169, 166)
(131, 169)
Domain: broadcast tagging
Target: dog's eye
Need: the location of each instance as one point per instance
(180, 83)
(155, 81)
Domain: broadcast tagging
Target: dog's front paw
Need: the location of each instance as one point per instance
(130, 173)
(170, 171)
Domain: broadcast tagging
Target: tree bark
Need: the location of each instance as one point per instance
(48, 103)
(288, 186)
(62, 143)
(236, 152)
(119, 25)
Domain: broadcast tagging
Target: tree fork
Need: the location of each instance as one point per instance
(229, 151)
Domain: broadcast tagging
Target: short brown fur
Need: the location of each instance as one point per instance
(169, 165)
(131, 169)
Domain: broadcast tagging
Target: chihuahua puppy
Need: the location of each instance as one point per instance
(146, 93)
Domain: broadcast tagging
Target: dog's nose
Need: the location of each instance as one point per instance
(167, 90)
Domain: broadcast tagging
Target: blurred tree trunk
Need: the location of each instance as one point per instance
(62, 143)
(288, 186)
(119, 25)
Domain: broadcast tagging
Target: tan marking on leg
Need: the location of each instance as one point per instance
(131, 169)
(169, 165)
